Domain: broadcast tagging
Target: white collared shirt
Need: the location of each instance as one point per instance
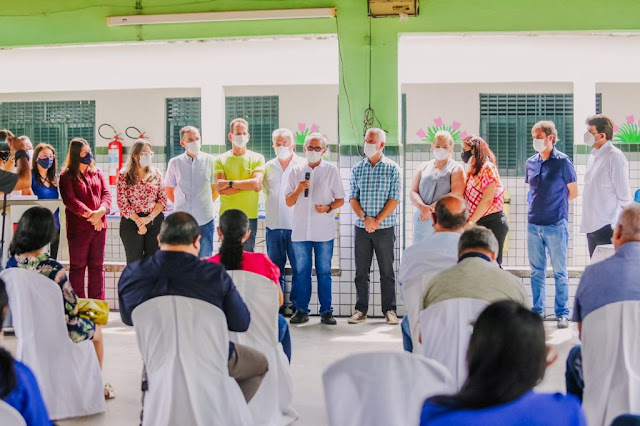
(606, 188)
(429, 257)
(277, 214)
(192, 179)
(325, 187)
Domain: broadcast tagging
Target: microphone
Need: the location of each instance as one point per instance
(307, 176)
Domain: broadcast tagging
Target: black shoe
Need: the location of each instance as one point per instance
(299, 318)
(283, 311)
(328, 319)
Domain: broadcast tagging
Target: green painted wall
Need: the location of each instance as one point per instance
(46, 22)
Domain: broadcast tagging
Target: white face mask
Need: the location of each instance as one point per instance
(589, 139)
(283, 152)
(240, 140)
(370, 149)
(145, 160)
(538, 145)
(441, 153)
(193, 147)
(313, 156)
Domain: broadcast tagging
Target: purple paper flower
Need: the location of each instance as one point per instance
(630, 119)
(421, 134)
(314, 127)
(463, 135)
(302, 127)
(455, 125)
(438, 121)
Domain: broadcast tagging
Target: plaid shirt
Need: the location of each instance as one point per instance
(374, 186)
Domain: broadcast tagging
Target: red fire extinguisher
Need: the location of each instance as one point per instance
(115, 159)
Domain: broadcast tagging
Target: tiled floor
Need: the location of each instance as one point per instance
(315, 346)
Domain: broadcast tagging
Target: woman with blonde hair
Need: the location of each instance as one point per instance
(141, 200)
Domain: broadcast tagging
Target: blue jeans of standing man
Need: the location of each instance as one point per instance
(251, 241)
(555, 239)
(279, 246)
(206, 238)
(323, 252)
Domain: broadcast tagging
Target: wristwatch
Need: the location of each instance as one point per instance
(230, 184)
(364, 216)
(330, 208)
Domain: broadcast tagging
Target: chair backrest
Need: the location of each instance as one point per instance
(446, 328)
(9, 416)
(611, 362)
(412, 292)
(44, 345)
(382, 388)
(185, 345)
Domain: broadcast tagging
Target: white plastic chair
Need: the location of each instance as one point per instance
(412, 292)
(271, 405)
(446, 328)
(611, 362)
(185, 348)
(9, 416)
(44, 345)
(382, 388)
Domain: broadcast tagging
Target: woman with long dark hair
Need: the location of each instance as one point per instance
(44, 184)
(483, 191)
(507, 358)
(87, 199)
(18, 386)
(233, 231)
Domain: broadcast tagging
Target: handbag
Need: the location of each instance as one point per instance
(94, 310)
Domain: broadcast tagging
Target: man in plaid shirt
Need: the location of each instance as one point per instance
(375, 194)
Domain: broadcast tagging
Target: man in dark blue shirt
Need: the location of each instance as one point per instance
(176, 270)
(553, 183)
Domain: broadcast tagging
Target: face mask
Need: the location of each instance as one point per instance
(45, 163)
(538, 145)
(87, 159)
(193, 147)
(240, 140)
(283, 152)
(313, 156)
(589, 139)
(440, 153)
(145, 160)
(370, 149)
(466, 156)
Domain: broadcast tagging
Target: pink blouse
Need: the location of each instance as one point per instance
(140, 197)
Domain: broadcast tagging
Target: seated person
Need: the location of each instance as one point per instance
(234, 232)
(18, 385)
(34, 232)
(176, 270)
(507, 358)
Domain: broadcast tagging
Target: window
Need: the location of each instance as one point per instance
(180, 112)
(262, 113)
(506, 121)
(55, 122)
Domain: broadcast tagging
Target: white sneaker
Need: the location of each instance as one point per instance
(563, 322)
(357, 317)
(391, 318)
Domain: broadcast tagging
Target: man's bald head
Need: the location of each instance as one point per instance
(450, 214)
(628, 228)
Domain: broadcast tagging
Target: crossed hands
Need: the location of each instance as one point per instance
(371, 224)
(94, 217)
(142, 223)
(426, 212)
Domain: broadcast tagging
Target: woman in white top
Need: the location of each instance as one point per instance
(433, 180)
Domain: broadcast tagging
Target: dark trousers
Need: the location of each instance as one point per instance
(86, 251)
(600, 237)
(381, 242)
(138, 246)
(498, 224)
(55, 244)
(251, 241)
(573, 375)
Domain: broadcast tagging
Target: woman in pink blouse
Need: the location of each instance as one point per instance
(87, 199)
(141, 199)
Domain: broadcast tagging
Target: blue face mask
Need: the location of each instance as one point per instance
(45, 163)
(87, 159)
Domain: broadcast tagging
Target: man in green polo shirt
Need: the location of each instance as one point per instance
(238, 175)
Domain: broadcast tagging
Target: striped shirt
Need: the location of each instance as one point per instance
(373, 186)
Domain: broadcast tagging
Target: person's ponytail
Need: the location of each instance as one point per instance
(233, 226)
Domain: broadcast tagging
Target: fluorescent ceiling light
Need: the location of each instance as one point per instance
(247, 15)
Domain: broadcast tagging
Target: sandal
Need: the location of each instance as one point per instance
(109, 392)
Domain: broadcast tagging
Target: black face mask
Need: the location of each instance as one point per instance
(466, 155)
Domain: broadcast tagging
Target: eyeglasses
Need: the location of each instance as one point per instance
(315, 148)
(150, 154)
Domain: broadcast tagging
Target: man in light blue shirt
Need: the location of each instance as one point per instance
(423, 260)
(616, 279)
(190, 185)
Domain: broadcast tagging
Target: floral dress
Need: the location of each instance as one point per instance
(80, 329)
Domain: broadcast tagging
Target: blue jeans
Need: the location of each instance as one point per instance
(279, 246)
(206, 238)
(251, 241)
(323, 253)
(284, 337)
(555, 239)
(407, 343)
(422, 229)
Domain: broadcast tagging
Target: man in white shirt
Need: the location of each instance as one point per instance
(190, 185)
(423, 260)
(314, 191)
(279, 216)
(606, 183)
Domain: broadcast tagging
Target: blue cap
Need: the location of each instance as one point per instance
(637, 197)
